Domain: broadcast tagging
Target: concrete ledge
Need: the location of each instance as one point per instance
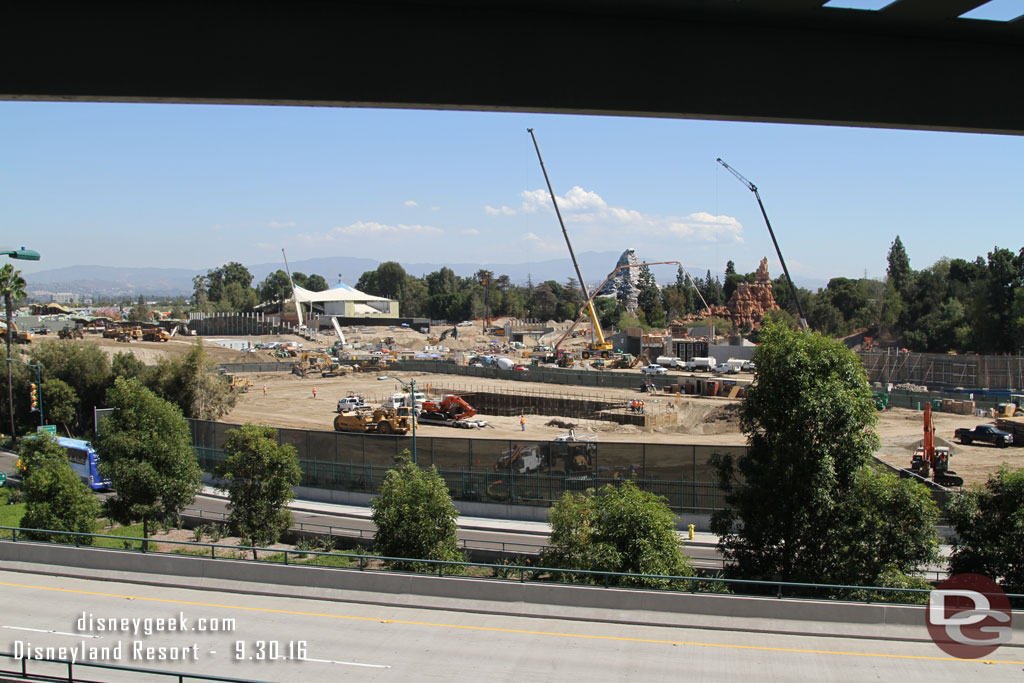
(505, 597)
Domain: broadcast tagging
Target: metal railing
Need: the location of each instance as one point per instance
(24, 673)
(369, 534)
(520, 573)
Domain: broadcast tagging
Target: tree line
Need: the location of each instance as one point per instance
(76, 376)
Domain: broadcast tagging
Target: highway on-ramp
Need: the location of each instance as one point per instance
(316, 639)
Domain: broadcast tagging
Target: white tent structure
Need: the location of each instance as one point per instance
(343, 300)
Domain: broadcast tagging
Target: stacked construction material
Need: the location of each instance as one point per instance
(1013, 425)
(957, 407)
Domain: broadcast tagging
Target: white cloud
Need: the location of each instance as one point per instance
(470, 231)
(409, 202)
(281, 224)
(368, 229)
(604, 221)
(265, 245)
(435, 208)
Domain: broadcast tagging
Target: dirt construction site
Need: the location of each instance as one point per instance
(282, 399)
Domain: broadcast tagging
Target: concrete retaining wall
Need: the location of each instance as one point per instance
(507, 595)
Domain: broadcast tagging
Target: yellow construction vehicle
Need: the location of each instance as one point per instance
(71, 333)
(625, 361)
(157, 334)
(239, 384)
(1012, 407)
(379, 420)
(17, 336)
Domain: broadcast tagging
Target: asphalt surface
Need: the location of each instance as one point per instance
(318, 639)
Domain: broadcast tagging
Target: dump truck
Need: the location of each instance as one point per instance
(157, 334)
(378, 421)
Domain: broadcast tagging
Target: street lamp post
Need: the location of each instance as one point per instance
(39, 384)
(410, 386)
(23, 254)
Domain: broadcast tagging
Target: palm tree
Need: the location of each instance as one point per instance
(12, 288)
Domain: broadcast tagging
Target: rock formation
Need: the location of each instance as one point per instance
(750, 302)
(625, 286)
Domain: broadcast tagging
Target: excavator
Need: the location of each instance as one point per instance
(451, 411)
(933, 460)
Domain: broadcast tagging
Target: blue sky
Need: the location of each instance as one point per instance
(197, 186)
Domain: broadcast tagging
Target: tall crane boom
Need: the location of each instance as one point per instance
(600, 344)
(753, 188)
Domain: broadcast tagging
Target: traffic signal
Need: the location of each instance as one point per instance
(34, 397)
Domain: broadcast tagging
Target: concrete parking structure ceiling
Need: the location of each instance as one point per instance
(912, 64)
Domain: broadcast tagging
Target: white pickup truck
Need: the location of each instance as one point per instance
(351, 403)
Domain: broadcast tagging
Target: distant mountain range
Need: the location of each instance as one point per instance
(113, 281)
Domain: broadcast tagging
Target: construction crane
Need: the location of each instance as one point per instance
(753, 188)
(599, 344)
(589, 304)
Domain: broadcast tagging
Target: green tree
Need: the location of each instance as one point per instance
(141, 313)
(316, 283)
(649, 299)
(147, 454)
(83, 366)
(258, 475)
(989, 525)
(12, 287)
(618, 528)
(783, 497)
(126, 364)
(275, 287)
(61, 402)
(193, 384)
(415, 516)
(55, 497)
(899, 271)
(885, 530)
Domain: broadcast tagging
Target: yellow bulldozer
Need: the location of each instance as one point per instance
(624, 361)
(316, 361)
(71, 333)
(378, 420)
(239, 384)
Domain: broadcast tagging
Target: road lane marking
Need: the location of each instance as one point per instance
(332, 661)
(495, 629)
(46, 630)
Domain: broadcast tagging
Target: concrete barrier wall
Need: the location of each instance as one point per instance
(265, 578)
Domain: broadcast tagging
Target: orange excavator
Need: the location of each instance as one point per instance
(931, 460)
(452, 411)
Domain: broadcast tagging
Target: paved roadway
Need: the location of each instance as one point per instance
(475, 532)
(346, 641)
